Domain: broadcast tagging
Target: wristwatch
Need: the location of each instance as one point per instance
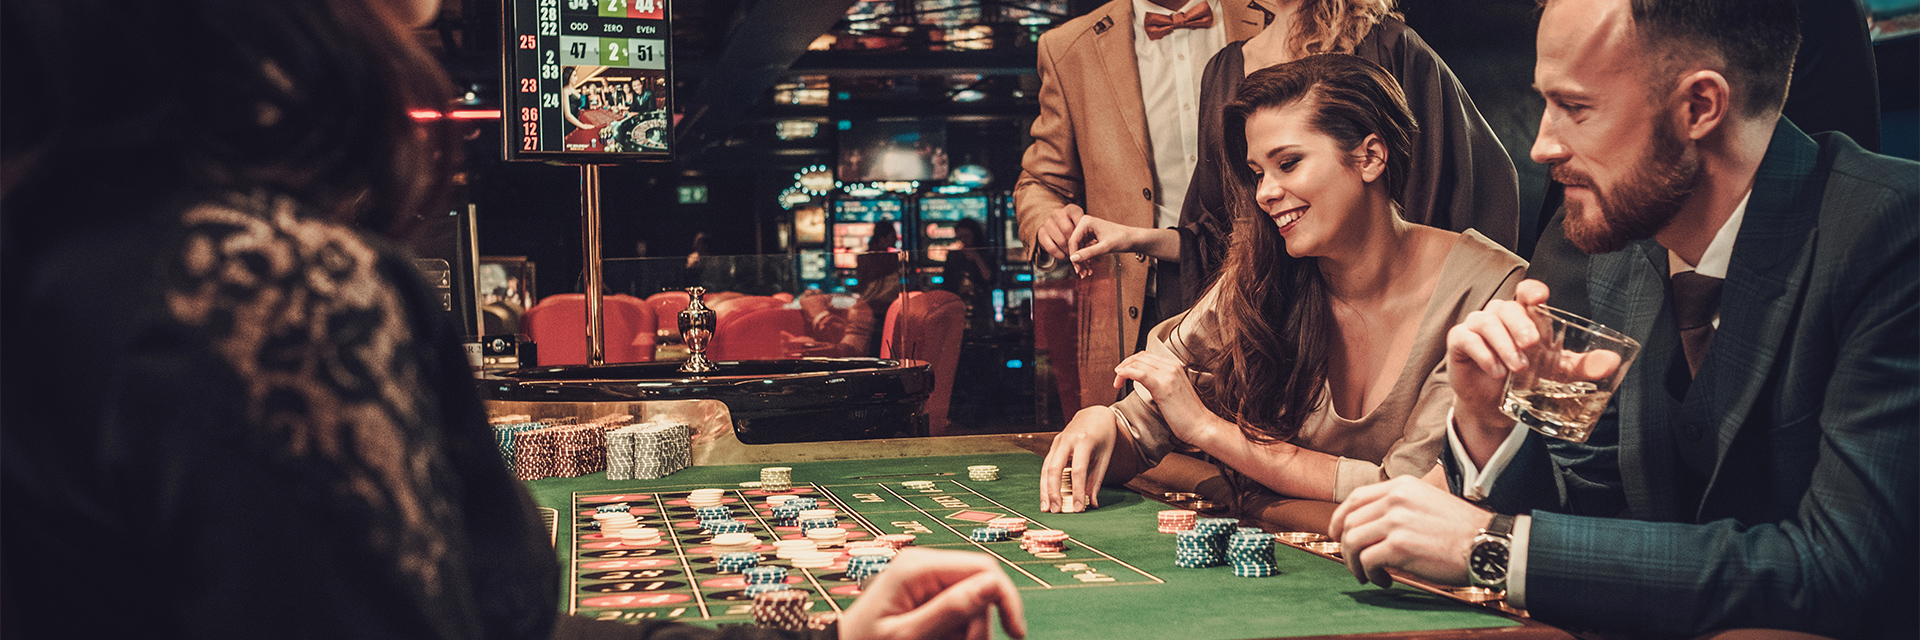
(1487, 560)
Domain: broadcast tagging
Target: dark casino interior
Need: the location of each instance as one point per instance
(756, 299)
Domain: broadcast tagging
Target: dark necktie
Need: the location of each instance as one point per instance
(1160, 24)
(1696, 298)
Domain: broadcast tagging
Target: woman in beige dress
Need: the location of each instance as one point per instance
(1314, 363)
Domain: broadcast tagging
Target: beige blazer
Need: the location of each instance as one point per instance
(1090, 148)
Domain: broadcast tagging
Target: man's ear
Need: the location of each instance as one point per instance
(1705, 102)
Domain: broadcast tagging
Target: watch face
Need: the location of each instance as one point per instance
(1489, 562)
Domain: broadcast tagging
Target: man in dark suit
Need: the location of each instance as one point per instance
(1757, 467)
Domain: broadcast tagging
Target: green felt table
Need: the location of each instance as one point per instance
(1117, 574)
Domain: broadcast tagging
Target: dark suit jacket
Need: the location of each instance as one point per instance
(1805, 414)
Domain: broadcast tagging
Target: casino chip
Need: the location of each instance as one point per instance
(1177, 520)
(827, 537)
(1252, 554)
(983, 472)
(776, 479)
(1040, 541)
(783, 609)
(648, 450)
(785, 549)
(988, 534)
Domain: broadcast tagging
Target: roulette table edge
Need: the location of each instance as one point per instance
(1116, 526)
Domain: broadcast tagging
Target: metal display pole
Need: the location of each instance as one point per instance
(590, 245)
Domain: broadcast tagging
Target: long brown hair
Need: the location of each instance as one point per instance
(1336, 26)
(1274, 310)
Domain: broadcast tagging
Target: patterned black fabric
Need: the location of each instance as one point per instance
(230, 420)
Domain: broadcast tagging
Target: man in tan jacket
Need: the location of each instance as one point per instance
(1116, 139)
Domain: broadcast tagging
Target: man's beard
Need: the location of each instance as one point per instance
(1639, 206)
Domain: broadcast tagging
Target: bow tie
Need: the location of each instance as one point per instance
(1161, 24)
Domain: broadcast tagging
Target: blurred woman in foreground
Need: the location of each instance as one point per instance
(227, 408)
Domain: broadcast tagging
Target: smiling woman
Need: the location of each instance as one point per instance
(1313, 365)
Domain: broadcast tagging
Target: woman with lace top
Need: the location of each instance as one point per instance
(231, 415)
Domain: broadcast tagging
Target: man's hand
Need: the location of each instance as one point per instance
(1409, 525)
(1057, 229)
(930, 593)
(1085, 446)
(1481, 351)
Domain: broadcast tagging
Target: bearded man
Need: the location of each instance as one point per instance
(1756, 467)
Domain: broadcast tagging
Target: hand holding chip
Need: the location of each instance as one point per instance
(1082, 451)
(929, 593)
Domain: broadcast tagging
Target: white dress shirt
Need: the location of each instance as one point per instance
(1170, 71)
(1477, 483)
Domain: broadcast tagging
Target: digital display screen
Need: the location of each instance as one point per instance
(588, 81)
(894, 149)
(974, 207)
(856, 222)
(866, 210)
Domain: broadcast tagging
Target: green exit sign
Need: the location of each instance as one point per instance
(693, 194)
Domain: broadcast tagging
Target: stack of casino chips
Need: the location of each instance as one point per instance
(506, 437)
(822, 620)
(813, 559)
(1015, 526)
(706, 498)
(827, 537)
(786, 515)
(784, 609)
(810, 520)
(727, 544)
(1194, 549)
(1252, 555)
(988, 534)
(564, 451)
(765, 578)
(737, 561)
(776, 479)
(895, 541)
(718, 527)
(786, 549)
(805, 503)
(862, 567)
(775, 501)
(718, 519)
(648, 451)
(1177, 520)
(638, 536)
(1068, 501)
(983, 473)
(611, 522)
(1044, 541)
(918, 485)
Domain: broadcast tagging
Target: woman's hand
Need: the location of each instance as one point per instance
(1163, 380)
(928, 593)
(1085, 447)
